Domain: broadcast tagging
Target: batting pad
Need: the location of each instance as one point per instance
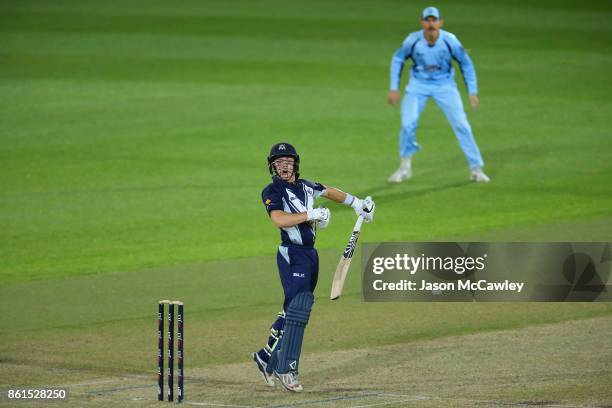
(296, 319)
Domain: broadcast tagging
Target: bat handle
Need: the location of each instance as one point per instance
(358, 223)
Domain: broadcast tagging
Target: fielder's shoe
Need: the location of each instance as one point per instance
(403, 173)
(290, 381)
(477, 175)
(261, 366)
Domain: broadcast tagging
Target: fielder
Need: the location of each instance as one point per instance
(432, 76)
(289, 201)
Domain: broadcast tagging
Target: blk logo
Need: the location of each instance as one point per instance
(281, 147)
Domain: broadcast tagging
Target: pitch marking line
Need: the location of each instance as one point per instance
(214, 404)
(93, 382)
(389, 402)
(127, 388)
(402, 399)
(312, 402)
(536, 403)
(551, 404)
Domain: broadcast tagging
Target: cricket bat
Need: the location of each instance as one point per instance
(345, 261)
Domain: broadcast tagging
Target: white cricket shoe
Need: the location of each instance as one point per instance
(403, 173)
(477, 175)
(261, 366)
(290, 381)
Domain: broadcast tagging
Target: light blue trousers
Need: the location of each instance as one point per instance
(448, 99)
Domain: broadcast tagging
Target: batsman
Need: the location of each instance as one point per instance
(289, 201)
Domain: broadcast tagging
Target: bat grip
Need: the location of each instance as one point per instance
(358, 223)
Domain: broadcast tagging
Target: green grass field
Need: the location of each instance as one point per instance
(133, 138)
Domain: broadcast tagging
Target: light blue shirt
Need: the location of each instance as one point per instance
(433, 63)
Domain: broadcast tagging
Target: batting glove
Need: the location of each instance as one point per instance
(357, 205)
(317, 214)
(364, 208)
(368, 209)
(324, 222)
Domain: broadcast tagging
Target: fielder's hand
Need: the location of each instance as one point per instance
(474, 101)
(393, 97)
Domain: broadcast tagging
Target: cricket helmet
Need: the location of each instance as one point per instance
(283, 149)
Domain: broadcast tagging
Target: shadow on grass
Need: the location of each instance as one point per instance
(393, 192)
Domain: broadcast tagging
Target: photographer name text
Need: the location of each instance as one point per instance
(423, 285)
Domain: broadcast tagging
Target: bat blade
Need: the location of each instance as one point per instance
(345, 261)
(339, 278)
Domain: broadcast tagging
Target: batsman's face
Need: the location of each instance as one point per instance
(431, 25)
(284, 167)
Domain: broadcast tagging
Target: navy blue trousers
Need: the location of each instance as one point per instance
(298, 268)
